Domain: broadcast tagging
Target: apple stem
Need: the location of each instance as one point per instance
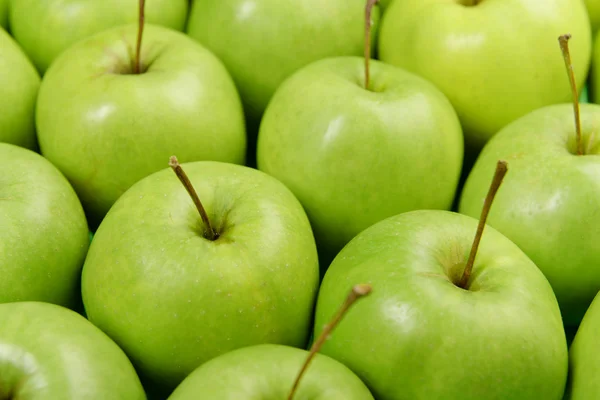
(563, 40)
(368, 28)
(209, 232)
(356, 293)
(501, 169)
(136, 66)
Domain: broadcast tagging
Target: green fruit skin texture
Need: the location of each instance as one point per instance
(4, 14)
(44, 235)
(549, 204)
(502, 56)
(593, 7)
(584, 360)
(267, 372)
(354, 157)
(20, 83)
(418, 336)
(47, 28)
(595, 73)
(174, 300)
(51, 353)
(106, 129)
(298, 31)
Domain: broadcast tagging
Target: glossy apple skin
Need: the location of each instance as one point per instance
(354, 157)
(549, 204)
(190, 299)
(584, 360)
(268, 372)
(20, 84)
(106, 129)
(418, 336)
(44, 236)
(503, 55)
(264, 42)
(52, 353)
(46, 28)
(593, 7)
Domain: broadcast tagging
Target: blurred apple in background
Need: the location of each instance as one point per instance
(44, 235)
(47, 28)
(173, 296)
(19, 82)
(106, 126)
(49, 352)
(494, 59)
(264, 42)
(595, 74)
(593, 7)
(4, 14)
(584, 358)
(354, 156)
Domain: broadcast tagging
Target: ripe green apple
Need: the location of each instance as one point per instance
(189, 298)
(20, 83)
(267, 372)
(595, 74)
(47, 28)
(421, 336)
(4, 14)
(593, 7)
(500, 55)
(44, 235)
(550, 203)
(106, 127)
(584, 361)
(48, 352)
(353, 156)
(264, 42)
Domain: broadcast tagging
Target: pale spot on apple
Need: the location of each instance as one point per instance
(101, 113)
(457, 42)
(246, 10)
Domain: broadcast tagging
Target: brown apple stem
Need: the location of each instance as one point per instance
(564, 47)
(138, 49)
(368, 28)
(356, 293)
(501, 169)
(209, 232)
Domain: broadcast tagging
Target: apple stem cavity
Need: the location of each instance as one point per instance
(501, 169)
(138, 48)
(368, 29)
(209, 232)
(563, 40)
(357, 292)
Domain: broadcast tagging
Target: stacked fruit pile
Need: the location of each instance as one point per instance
(193, 194)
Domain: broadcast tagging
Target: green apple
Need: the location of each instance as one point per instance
(264, 42)
(584, 361)
(20, 83)
(549, 206)
(593, 7)
(106, 127)
(44, 234)
(191, 296)
(4, 14)
(385, 4)
(51, 353)
(354, 156)
(421, 336)
(494, 59)
(267, 372)
(46, 28)
(595, 74)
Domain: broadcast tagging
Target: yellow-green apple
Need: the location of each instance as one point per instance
(239, 269)
(267, 371)
(48, 352)
(494, 59)
(593, 7)
(43, 231)
(106, 125)
(47, 28)
(584, 361)
(550, 206)
(20, 83)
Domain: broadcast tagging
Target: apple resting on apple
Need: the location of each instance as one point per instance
(446, 322)
(48, 352)
(238, 269)
(106, 125)
(20, 83)
(44, 234)
(46, 28)
(494, 59)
